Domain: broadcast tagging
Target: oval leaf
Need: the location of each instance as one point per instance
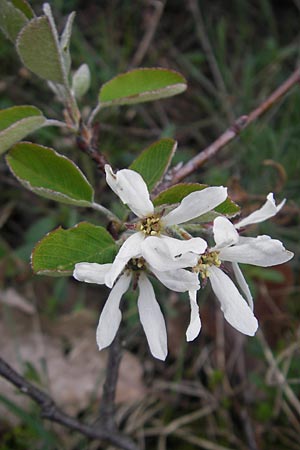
(49, 174)
(141, 85)
(153, 162)
(39, 50)
(12, 20)
(17, 122)
(25, 7)
(177, 193)
(81, 81)
(59, 251)
(65, 42)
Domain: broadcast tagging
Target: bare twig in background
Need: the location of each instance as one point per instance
(51, 412)
(213, 64)
(149, 34)
(232, 132)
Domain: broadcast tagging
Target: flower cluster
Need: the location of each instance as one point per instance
(181, 263)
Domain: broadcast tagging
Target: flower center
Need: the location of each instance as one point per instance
(150, 226)
(205, 262)
(136, 264)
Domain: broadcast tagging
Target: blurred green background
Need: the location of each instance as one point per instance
(222, 391)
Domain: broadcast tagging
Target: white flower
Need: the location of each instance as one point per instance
(230, 246)
(151, 317)
(132, 190)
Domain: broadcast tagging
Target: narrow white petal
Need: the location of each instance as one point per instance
(196, 204)
(91, 272)
(152, 319)
(178, 280)
(130, 249)
(234, 306)
(224, 233)
(131, 189)
(260, 251)
(242, 283)
(179, 247)
(195, 322)
(156, 252)
(268, 210)
(110, 317)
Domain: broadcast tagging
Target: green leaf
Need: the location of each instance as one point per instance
(154, 161)
(25, 7)
(39, 50)
(81, 80)
(141, 85)
(59, 251)
(17, 122)
(49, 174)
(12, 20)
(65, 42)
(176, 193)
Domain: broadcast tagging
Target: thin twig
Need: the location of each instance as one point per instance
(51, 412)
(107, 406)
(231, 133)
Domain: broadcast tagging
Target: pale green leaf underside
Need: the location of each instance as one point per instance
(39, 52)
(46, 173)
(59, 251)
(154, 161)
(12, 20)
(141, 85)
(175, 194)
(16, 123)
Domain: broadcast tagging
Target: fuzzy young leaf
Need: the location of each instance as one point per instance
(81, 80)
(65, 42)
(25, 7)
(17, 122)
(59, 251)
(12, 20)
(46, 173)
(39, 50)
(154, 161)
(175, 194)
(141, 85)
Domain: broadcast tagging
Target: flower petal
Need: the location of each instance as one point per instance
(242, 283)
(110, 317)
(224, 233)
(195, 322)
(196, 204)
(178, 280)
(91, 272)
(235, 308)
(158, 252)
(131, 189)
(260, 251)
(152, 319)
(130, 249)
(268, 210)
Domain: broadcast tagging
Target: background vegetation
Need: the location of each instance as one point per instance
(223, 391)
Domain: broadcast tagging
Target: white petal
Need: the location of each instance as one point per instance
(179, 247)
(132, 190)
(110, 317)
(152, 319)
(91, 272)
(224, 233)
(156, 252)
(234, 306)
(196, 204)
(242, 283)
(268, 210)
(195, 322)
(260, 251)
(130, 249)
(178, 280)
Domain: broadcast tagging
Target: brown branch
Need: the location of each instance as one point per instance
(51, 412)
(231, 133)
(87, 143)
